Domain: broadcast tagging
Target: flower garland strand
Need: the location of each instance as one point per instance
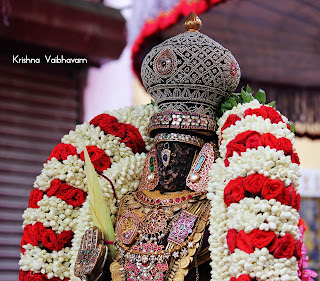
(58, 213)
(255, 232)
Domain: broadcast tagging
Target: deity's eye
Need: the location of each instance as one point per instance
(165, 62)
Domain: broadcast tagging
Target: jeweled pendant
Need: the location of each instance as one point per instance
(165, 156)
(150, 177)
(194, 177)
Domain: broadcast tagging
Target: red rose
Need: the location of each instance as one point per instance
(234, 191)
(36, 277)
(94, 152)
(243, 137)
(294, 198)
(231, 120)
(284, 197)
(133, 139)
(273, 245)
(271, 189)
(234, 147)
(285, 247)
(76, 197)
(116, 129)
(35, 196)
(231, 239)
(102, 164)
(103, 121)
(244, 242)
(270, 140)
(294, 157)
(297, 250)
(273, 115)
(50, 241)
(64, 238)
(22, 275)
(254, 183)
(54, 187)
(297, 202)
(260, 238)
(285, 145)
(243, 141)
(37, 230)
(242, 277)
(29, 236)
(257, 111)
(253, 141)
(64, 191)
(62, 151)
(99, 159)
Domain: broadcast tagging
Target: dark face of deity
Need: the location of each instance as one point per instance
(174, 163)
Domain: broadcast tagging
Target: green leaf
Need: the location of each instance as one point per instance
(227, 105)
(246, 97)
(261, 96)
(292, 128)
(248, 90)
(237, 97)
(233, 102)
(272, 104)
(153, 103)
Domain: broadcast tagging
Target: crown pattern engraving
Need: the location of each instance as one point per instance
(191, 73)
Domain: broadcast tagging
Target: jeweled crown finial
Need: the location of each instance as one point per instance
(192, 22)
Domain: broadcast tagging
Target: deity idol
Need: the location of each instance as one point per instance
(213, 200)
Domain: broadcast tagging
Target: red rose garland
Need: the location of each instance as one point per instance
(253, 139)
(280, 247)
(266, 112)
(128, 134)
(37, 233)
(62, 151)
(35, 196)
(259, 185)
(71, 195)
(253, 186)
(231, 120)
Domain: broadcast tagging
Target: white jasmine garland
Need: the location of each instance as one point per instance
(90, 135)
(239, 110)
(55, 264)
(262, 265)
(53, 212)
(125, 175)
(257, 213)
(266, 161)
(218, 222)
(70, 171)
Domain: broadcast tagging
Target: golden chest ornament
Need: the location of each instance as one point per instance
(157, 243)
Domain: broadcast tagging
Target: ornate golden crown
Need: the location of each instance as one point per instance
(190, 73)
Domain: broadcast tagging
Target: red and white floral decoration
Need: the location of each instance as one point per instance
(255, 231)
(255, 228)
(58, 213)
